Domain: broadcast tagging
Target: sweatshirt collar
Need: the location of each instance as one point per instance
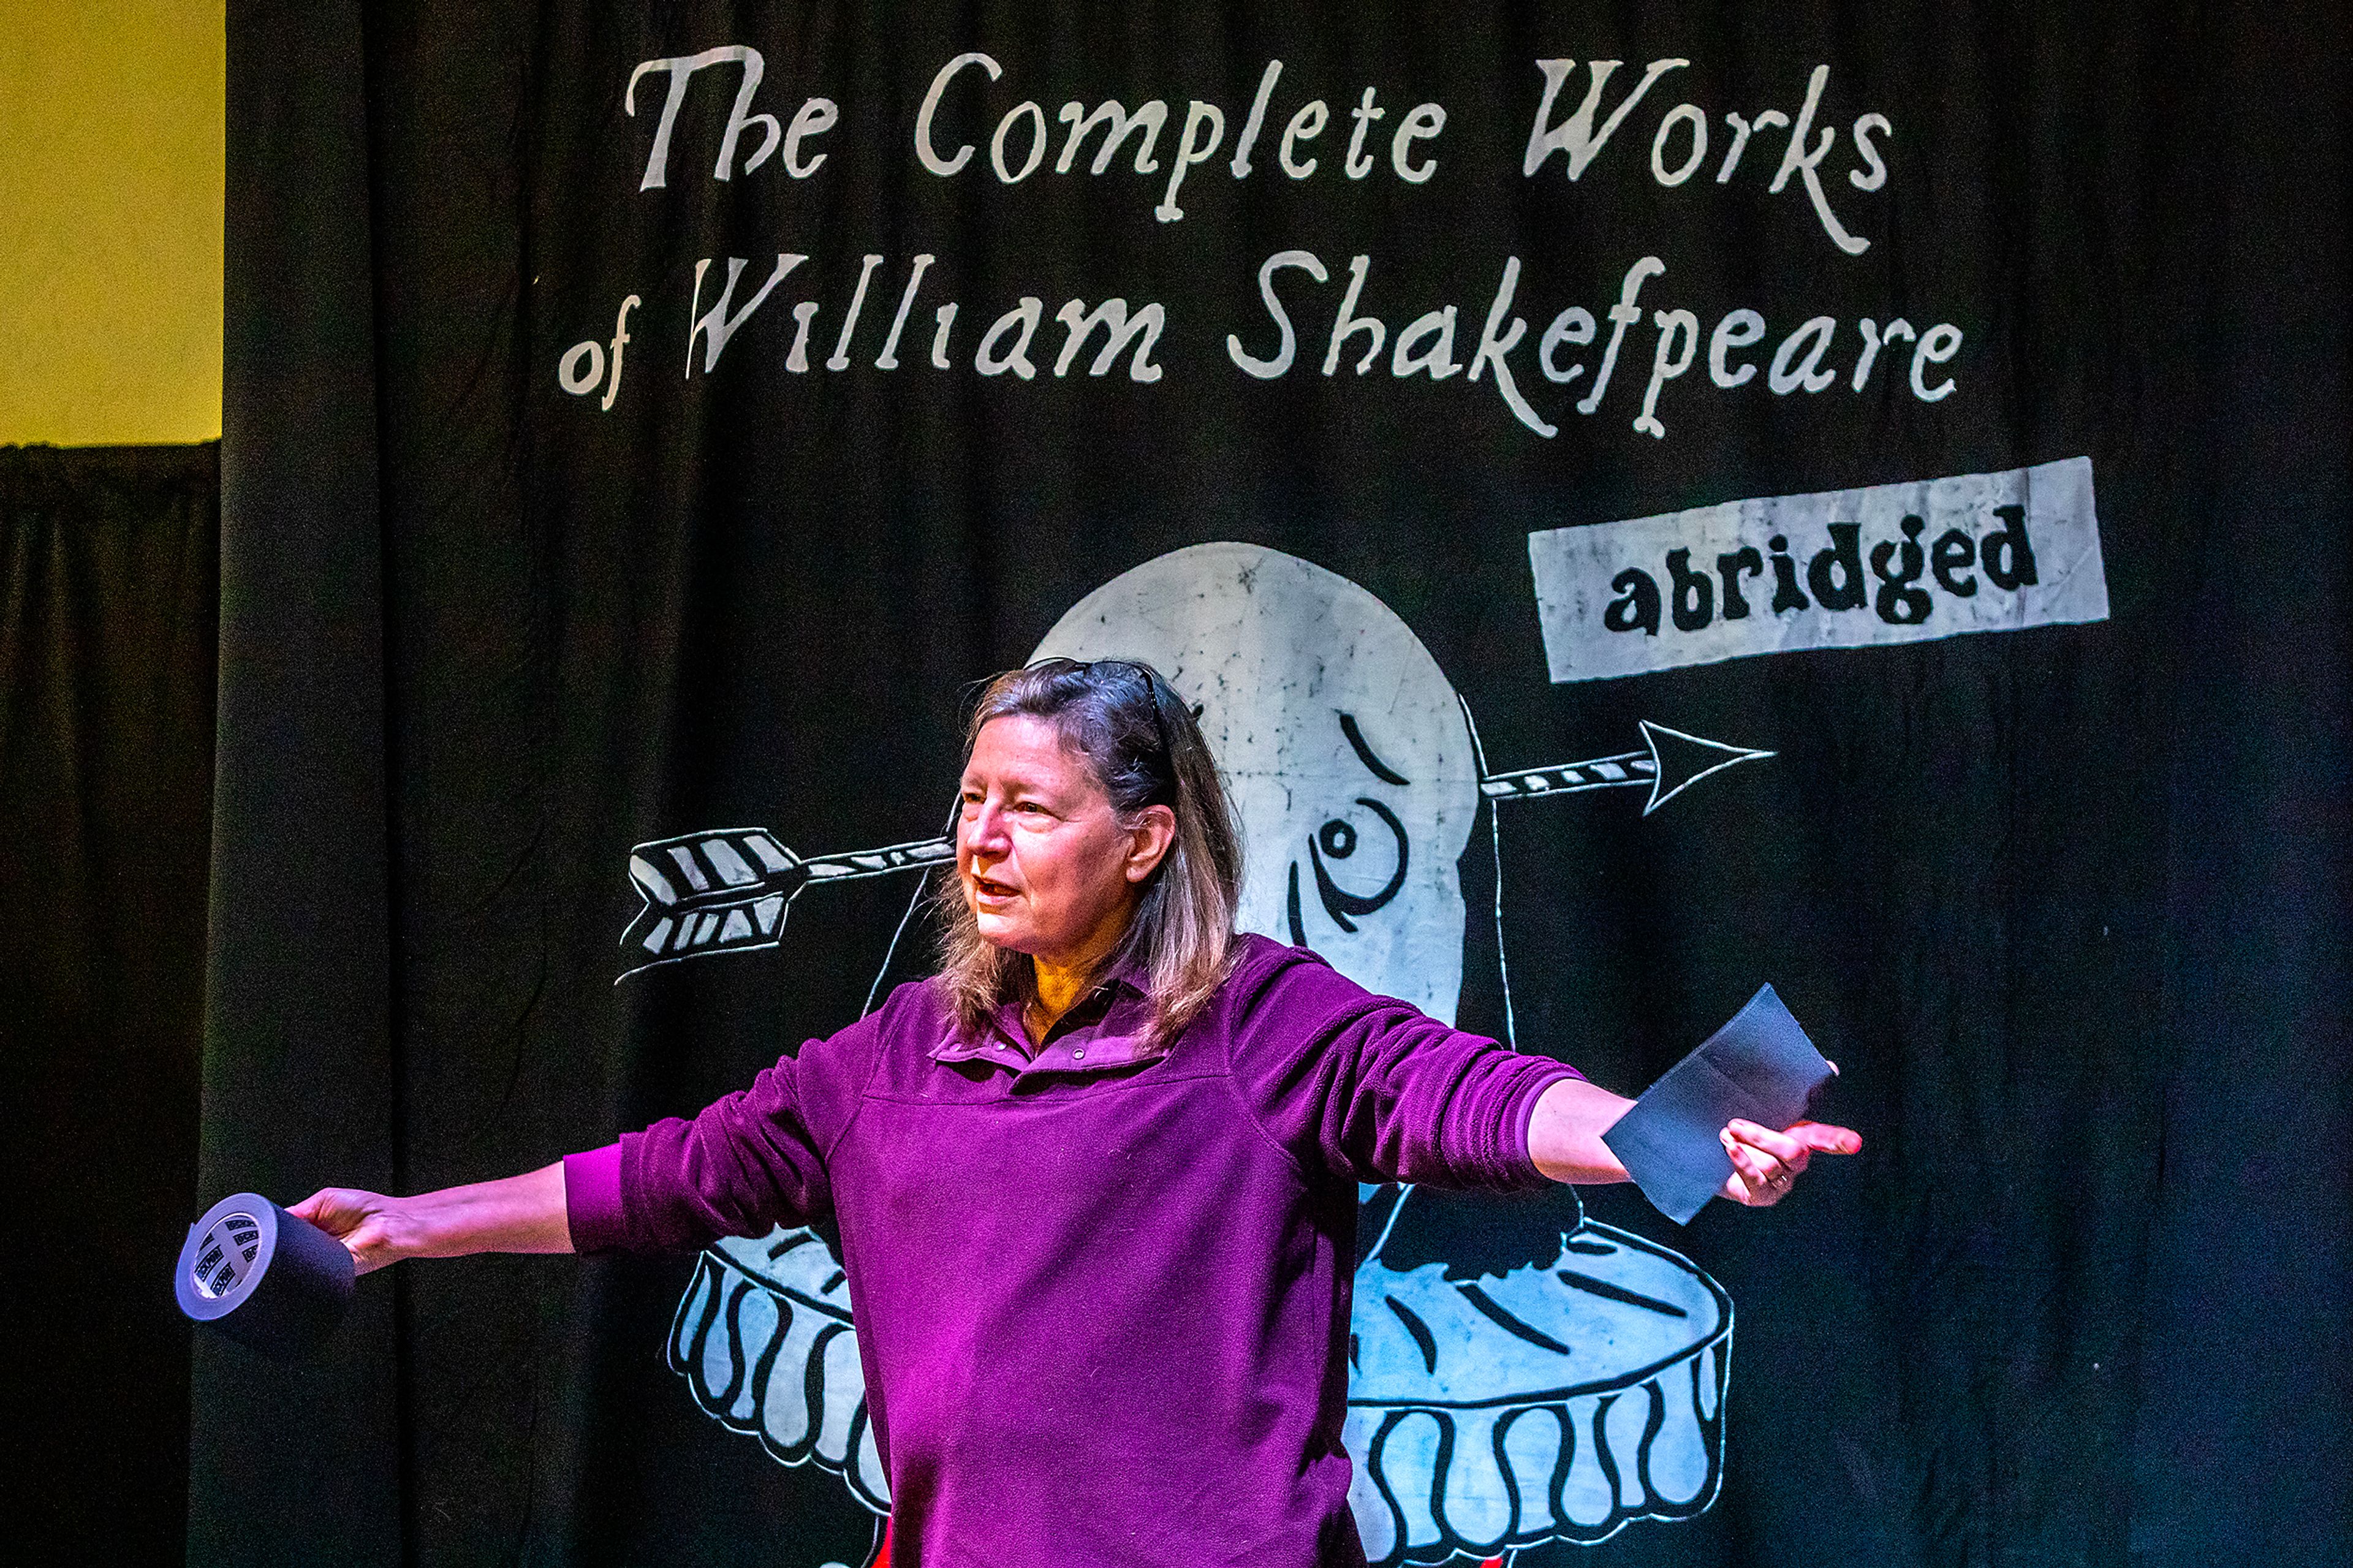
(1109, 1029)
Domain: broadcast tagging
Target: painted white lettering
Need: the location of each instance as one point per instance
(582, 368)
(1576, 136)
(1267, 369)
(1348, 323)
(841, 358)
(889, 358)
(1422, 122)
(1495, 346)
(1870, 342)
(1741, 130)
(620, 338)
(1875, 173)
(1738, 330)
(946, 319)
(804, 316)
(1937, 344)
(815, 118)
(1675, 326)
(717, 325)
(1573, 325)
(1622, 314)
(1143, 329)
(1020, 323)
(1204, 126)
(681, 69)
(1680, 114)
(1305, 126)
(926, 153)
(1798, 361)
(1118, 125)
(1358, 164)
(1436, 361)
(1037, 117)
(1799, 160)
(1251, 126)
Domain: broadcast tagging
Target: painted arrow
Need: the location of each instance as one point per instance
(729, 889)
(1670, 763)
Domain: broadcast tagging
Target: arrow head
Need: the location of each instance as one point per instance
(1682, 761)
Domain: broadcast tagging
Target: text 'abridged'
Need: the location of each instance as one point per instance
(1887, 564)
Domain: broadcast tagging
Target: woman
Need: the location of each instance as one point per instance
(1096, 1181)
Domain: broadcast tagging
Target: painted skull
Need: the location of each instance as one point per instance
(1343, 745)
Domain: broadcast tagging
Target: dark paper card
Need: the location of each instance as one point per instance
(1761, 1066)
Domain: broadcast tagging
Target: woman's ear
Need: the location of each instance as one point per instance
(1148, 841)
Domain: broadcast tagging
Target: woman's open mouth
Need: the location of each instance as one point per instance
(987, 890)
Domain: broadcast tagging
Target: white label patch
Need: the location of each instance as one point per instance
(1888, 564)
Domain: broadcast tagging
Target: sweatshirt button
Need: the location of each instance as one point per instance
(1078, 1056)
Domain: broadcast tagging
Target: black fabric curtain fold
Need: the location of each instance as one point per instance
(109, 578)
(298, 1463)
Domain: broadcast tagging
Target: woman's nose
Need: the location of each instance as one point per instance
(984, 828)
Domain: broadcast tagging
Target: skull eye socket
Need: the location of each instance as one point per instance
(1338, 902)
(1337, 840)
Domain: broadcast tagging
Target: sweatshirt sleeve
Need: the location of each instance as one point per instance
(747, 1161)
(1365, 1087)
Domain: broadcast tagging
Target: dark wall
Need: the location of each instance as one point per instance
(109, 579)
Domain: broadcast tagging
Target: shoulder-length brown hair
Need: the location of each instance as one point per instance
(1146, 749)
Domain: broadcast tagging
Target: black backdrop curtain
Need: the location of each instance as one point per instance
(107, 582)
(516, 580)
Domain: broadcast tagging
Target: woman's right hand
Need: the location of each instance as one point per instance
(514, 1213)
(376, 1229)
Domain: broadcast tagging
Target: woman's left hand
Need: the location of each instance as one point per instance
(1765, 1164)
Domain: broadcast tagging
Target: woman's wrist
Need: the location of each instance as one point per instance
(1565, 1132)
(513, 1213)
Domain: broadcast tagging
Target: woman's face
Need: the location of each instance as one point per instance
(1045, 868)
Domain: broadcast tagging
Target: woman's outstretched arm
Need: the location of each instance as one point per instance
(513, 1213)
(1565, 1142)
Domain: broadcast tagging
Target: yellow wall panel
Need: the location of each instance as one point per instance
(111, 180)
